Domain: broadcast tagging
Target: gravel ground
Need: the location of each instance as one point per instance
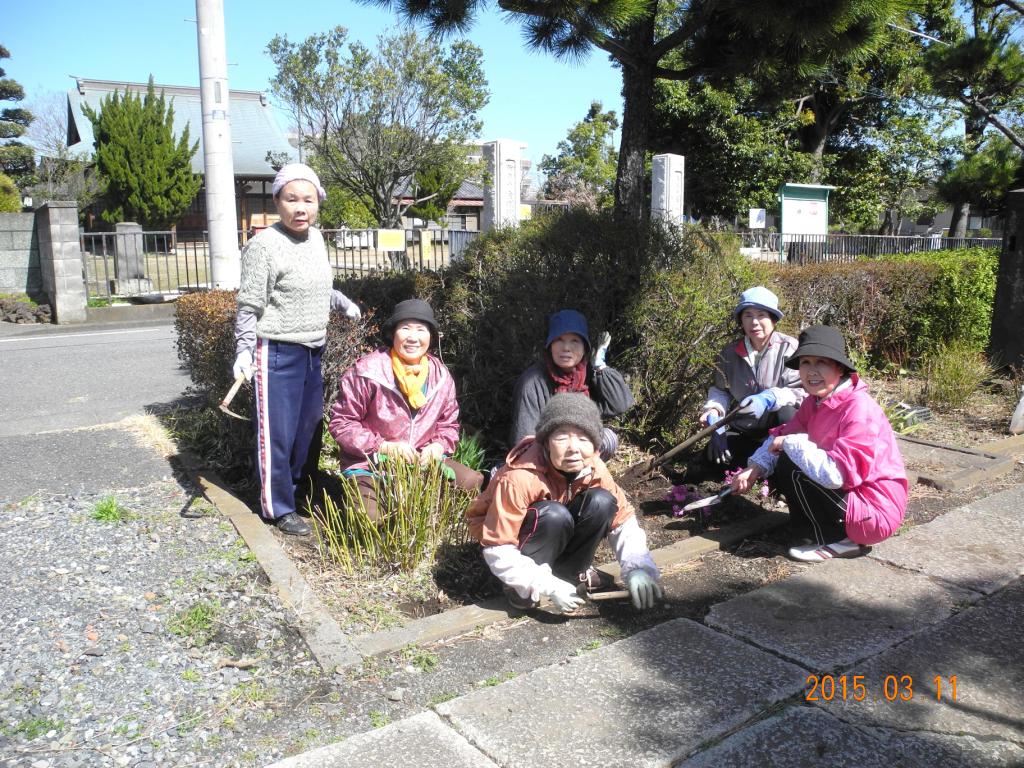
(149, 641)
(100, 668)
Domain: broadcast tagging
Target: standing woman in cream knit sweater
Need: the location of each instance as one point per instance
(284, 305)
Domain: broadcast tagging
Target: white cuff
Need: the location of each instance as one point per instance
(814, 462)
(629, 542)
(516, 570)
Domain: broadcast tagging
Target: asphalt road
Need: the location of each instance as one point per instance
(55, 382)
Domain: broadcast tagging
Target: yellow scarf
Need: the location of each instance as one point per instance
(411, 379)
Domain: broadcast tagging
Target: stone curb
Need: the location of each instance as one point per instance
(334, 650)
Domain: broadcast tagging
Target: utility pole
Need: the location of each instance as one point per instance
(221, 215)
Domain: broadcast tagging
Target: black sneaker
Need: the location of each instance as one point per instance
(519, 603)
(293, 525)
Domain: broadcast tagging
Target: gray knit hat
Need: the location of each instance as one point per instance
(570, 409)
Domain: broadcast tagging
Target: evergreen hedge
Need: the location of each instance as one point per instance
(665, 295)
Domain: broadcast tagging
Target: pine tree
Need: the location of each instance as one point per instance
(16, 158)
(146, 172)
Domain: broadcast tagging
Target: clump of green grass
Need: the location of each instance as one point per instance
(379, 719)
(419, 508)
(196, 623)
(470, 452)
(35, 727)
(421, 658)
(107, 510)
(953, 373)
(494, 680)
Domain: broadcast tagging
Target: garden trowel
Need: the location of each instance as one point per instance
(709, 500)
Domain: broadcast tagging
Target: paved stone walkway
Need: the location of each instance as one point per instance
(910, 656)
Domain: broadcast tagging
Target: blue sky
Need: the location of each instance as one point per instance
(534, 98)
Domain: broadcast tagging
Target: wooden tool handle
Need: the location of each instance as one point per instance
(618, 594)
(239, 380)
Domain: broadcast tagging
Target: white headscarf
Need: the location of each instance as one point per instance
(297, 172)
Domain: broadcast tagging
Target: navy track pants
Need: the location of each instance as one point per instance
(289, 409)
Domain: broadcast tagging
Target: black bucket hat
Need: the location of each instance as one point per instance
(410, 309)
(821, 341)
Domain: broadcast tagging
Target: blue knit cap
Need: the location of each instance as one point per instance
(759, 297)
(567, 321)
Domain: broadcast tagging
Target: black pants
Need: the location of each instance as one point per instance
(815, 512)
(742, 444)
(566, 537)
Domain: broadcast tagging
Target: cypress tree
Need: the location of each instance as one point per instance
(146, 172)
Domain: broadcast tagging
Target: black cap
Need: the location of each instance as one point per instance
(410, 309)
(821, 341)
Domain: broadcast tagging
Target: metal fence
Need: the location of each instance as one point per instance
(144, 263)
(117, 264)
(809, 249)
(353, 252)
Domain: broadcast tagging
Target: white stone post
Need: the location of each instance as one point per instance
(502, 188)
(221, 215)
(667, 176)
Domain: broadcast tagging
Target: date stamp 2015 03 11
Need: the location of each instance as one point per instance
(893, 688)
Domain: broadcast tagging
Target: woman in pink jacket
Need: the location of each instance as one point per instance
(398, 402)
(836, 462)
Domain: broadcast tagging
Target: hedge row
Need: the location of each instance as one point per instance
(664, 295)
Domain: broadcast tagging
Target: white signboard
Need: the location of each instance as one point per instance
(804, 217)
(758, 217)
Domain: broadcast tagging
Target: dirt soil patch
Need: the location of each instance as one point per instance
(374, 602)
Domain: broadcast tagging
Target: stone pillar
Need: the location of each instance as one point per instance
(129, 260)
(502, 190)
(60, 260)
(1006, 343)
(667, 176)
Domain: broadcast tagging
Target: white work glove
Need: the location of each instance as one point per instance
(597, 359)
(564, 596)
(243, 364)
(644, 590)
(340, 301)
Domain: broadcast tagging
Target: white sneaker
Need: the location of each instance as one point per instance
(817, 553)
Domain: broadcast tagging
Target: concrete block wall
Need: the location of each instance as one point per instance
(19, 255)
(60, 260)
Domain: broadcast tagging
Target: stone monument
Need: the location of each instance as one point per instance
(503, 159)
(667, 176)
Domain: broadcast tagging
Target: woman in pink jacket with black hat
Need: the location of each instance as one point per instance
(399, 402)
(836, 462)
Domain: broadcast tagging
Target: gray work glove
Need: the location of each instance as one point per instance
(644, 590)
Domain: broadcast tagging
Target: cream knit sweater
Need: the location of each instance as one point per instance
(286, 283)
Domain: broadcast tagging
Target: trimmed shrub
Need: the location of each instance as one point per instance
(959, 301)
(498, 298)
(876, 304)
(205, 327)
